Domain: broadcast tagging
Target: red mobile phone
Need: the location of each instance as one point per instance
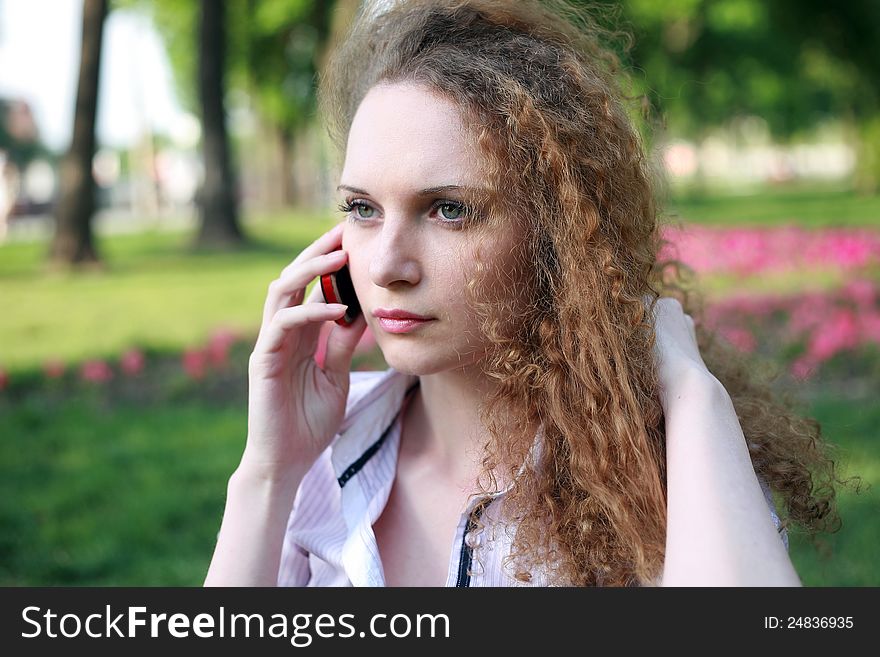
(338, 288)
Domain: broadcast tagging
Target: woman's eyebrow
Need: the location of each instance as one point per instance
(429, 191)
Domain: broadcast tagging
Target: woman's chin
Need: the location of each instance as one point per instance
(424, 361)
(409, 364)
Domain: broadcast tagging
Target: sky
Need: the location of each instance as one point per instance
(39, 63)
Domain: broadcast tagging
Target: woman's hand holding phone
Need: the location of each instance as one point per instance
(294, 406)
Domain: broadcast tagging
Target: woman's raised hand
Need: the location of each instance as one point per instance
(295, 407)
(676, 351)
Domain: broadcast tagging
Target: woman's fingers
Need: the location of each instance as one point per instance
(289, 288)
(273, 333)
(310, 333)
(284, 311)
(326, 243)
(341, 343)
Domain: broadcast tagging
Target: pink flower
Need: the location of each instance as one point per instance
(194, 362)
(839, 332)
(803, 368)
(863, 292)
(4, 379)
(95, 371)
(740, 338)
(785, 248)
(218, 346)
(53, 368)
(132, 362)
(809, 311)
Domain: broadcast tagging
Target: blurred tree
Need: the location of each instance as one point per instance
(274, 51)
(19, 138)
(794, 63)
(218, 195)
(73, 242)
(849, 32)
(277, 68)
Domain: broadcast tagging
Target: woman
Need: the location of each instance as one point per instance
(549, 421)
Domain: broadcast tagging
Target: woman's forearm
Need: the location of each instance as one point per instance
(248, 550)
(719, 529)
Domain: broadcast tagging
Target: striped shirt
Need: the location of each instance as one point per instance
(329, 539)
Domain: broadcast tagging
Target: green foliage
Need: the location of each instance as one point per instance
(281, 42)
(21, 151)
(701, 62)
(177, 23)
(272, 50)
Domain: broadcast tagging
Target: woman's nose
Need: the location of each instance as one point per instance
(393, 256)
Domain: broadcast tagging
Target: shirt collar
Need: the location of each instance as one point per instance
(375, 402)
(373, 406)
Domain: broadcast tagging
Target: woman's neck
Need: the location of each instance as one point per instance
(443, 434)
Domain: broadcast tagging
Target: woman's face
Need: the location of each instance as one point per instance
(406, 246)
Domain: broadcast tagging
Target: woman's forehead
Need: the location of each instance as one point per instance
(412, 131)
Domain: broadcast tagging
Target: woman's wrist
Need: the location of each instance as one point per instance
(685, 383)
(259, 501)
(254, 469)
(284, 480)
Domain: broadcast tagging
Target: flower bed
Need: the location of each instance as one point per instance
(749, 251)
(838, 331)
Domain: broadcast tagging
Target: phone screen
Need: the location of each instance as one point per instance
(338, 288)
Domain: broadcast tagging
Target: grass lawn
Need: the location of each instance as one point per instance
(123, 496)
(154, 294)
(845, 560)
(97, 490)
(807, 205)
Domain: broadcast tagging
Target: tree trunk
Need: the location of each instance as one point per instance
(285, 147)
(217, 198)
(73, 242)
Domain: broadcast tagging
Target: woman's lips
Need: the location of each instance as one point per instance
(401, 325)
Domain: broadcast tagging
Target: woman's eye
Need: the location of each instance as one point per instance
(456, 211)
(367, 211)
(451, 213)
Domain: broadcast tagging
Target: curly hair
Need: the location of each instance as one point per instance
(543, 91)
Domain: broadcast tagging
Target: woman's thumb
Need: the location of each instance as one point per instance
(341, 343)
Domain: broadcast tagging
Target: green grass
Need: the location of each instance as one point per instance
(122, 496)
(852, 426)
(154, 294)
(102, 491)
(721, 286)
(808, 206)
